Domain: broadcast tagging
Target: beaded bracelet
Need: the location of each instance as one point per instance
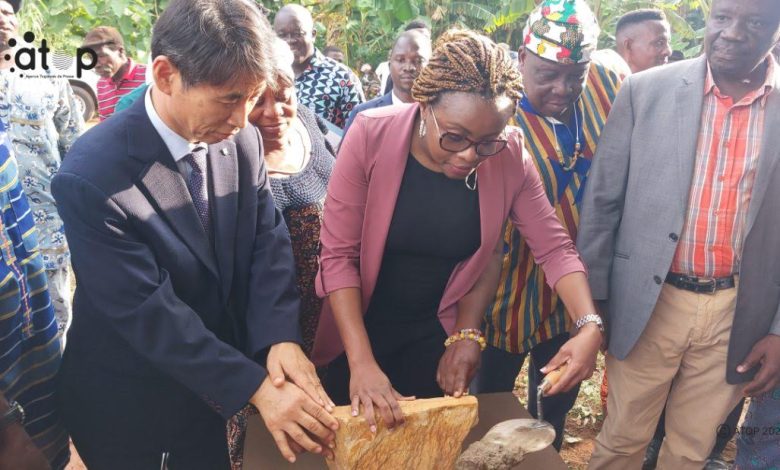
(471, 334)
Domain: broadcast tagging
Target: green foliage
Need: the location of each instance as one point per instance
(64, 23)
(364, 29)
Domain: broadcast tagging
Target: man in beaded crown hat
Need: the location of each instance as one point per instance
(566, 98)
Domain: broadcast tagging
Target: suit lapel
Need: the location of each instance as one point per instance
(165, 186)
(689, 96)
(769, 155)
(223, 168)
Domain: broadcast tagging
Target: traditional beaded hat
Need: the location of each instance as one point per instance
(564, 31)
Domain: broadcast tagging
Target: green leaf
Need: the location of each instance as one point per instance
(119, 6)
(404, 10)
(90, 6)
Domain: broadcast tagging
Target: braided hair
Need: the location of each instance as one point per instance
(469, 62)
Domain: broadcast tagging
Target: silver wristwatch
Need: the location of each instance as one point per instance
(589, 318)
(15, 414)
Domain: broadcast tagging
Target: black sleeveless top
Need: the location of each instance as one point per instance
(435, 226)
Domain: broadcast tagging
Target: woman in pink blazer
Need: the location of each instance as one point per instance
(411, 241)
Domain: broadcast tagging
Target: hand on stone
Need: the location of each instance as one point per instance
(580, 355)
(294, 420)
(457, 367)
(766, 355)
(287, 362)
(369, 386)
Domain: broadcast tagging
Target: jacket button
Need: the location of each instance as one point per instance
(674, 237)
(658, 280)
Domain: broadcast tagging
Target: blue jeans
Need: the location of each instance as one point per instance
(499, 369)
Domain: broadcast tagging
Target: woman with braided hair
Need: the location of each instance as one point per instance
(411, 241)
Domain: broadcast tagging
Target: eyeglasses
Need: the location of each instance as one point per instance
(452, 142)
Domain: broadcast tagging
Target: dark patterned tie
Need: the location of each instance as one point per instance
(197, 186)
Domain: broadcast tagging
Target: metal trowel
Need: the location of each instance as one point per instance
(504, 446)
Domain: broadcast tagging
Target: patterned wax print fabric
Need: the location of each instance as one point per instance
(564, 31)
(43, 122)
(329, 88)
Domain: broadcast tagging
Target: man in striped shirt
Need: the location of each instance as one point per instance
(679, 232)
(566, 98)
(119, 74)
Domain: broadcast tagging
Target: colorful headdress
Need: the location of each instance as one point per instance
(564, 31)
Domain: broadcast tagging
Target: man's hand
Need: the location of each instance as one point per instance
(17, 450)
(766, 354)
(294, 419)
(457, 367)
(287, 362)
(580, 355)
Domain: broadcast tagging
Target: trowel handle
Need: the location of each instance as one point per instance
(552, 378)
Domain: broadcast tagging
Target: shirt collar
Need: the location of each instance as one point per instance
(129, 72)
(177, 145)
(317, 59)
(761, 92)
(394, 98)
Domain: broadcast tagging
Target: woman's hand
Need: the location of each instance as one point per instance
(458, 366)
(369, 386)
(580, 355)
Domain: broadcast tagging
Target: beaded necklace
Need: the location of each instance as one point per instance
(577, 147)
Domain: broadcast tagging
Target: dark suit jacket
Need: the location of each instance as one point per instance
(634, 209)
(378, 102)
(153, 300)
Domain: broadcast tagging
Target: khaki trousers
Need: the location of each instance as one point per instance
(680, 360)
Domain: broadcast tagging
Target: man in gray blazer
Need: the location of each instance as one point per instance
(678, 229)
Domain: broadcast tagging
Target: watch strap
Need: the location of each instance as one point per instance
(589, 318)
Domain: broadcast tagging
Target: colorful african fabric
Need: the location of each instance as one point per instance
(564, 31)
(526, 311)
(329, 88)
(29, 339)
(43, 122)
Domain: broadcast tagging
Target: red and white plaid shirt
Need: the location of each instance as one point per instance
(110, 91)
(727, 154)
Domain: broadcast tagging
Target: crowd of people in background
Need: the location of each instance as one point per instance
(250, 234)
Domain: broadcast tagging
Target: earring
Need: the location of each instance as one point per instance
(423, 128)
(472, 186)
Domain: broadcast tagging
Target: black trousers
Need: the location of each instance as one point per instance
(408, 355)
(120, 422)
(499, 369)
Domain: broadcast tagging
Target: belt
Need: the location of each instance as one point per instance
(700, 285)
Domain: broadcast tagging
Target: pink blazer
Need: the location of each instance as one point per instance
(361, 200)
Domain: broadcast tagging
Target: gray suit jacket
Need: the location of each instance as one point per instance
(634, 206)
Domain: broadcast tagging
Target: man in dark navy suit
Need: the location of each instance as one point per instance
(186, 308)
(409, 54)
